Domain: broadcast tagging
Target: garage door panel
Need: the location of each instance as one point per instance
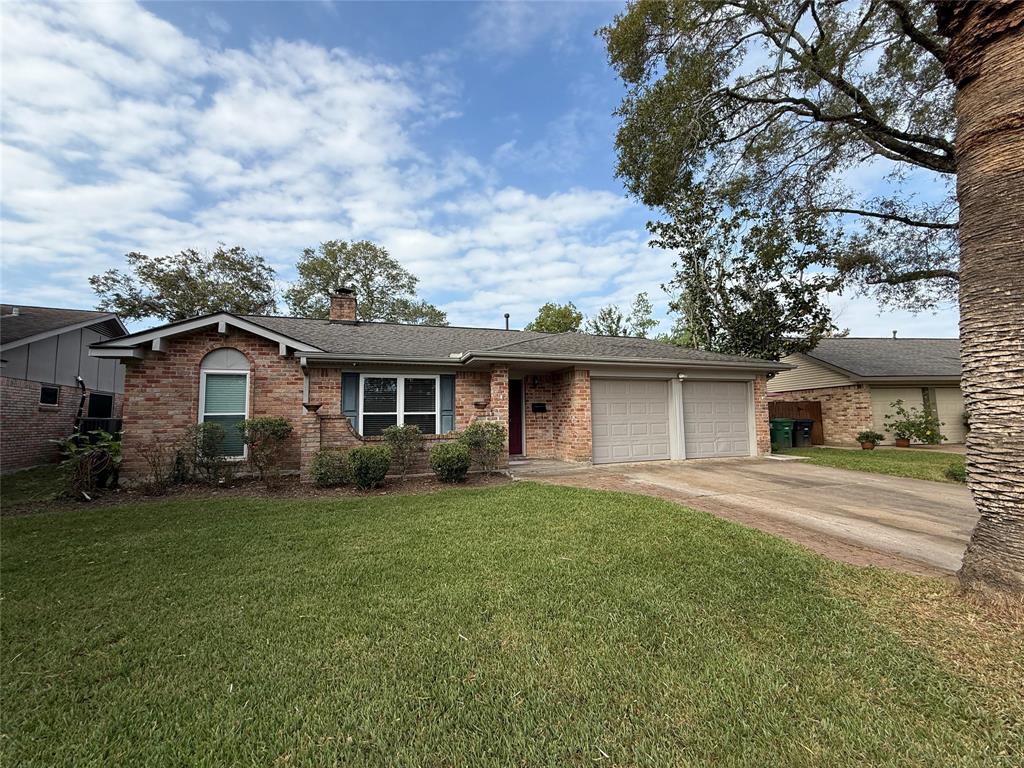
(630, 420)
(716, 419)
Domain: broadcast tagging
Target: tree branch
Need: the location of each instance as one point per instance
(914, 276)
(892, 217)
(935, 47)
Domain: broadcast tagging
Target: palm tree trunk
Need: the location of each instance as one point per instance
(986, 62)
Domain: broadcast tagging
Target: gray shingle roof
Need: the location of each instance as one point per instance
(891, 358)
(32, 321)
(427, 341)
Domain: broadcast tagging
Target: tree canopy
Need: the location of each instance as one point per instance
(778, 106)
(556, 318)
(386, 290)
(612, 321)
(741, 285)
(187, 284)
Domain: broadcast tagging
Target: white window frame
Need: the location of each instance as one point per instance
(400, 398)
(202, 404)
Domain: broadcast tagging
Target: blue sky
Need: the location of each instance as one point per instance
(475, 141)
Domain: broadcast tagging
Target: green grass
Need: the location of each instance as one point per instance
(922, 465)
(30, 486)
(515, 625)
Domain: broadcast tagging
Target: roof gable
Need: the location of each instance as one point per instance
(36, 323)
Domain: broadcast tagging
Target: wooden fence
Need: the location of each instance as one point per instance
(810, 409)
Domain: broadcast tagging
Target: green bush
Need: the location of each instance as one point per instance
(91, 462)
(450, 462)
(200, 453)
(870, 436)
(330, 468)
(956, 472)
(914, 424)
(486, 443)
(404, 441)
(368, 465)
(265, 438)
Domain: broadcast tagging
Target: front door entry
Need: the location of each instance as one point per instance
(515, 417)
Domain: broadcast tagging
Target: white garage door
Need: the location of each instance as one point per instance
(949, 403)
(716, 418)
(630, 420)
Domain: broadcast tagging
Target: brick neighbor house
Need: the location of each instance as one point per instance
(48, 380)
(857, 379)
(340, 381)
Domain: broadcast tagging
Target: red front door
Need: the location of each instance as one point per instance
(515, 417)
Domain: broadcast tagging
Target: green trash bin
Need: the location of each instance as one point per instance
(782, 434)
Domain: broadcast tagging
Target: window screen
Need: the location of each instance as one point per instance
(49, 395)
(224, 404)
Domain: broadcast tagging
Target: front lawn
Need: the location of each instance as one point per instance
(30, 486)
(516, 625)
(922, 465)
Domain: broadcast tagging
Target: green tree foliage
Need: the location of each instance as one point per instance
(775, 106)
(385, 289)
(742, 284)
(188, 284)
(612, 321)
(556, 318)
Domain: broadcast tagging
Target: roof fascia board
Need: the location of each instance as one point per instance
(184, 326)
(63, 329)
(914, 379)
(343, 357)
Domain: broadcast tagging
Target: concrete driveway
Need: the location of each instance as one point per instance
(866, 519)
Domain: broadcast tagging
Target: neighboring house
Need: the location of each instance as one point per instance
(341, 381)
(44, 352)
(856, 380)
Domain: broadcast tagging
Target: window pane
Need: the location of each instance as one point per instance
(420, 395)
(48, 395)
(225, 393)
(426, 422)
(232, 445)
(380, 395)
(100, 406)
(375, 424)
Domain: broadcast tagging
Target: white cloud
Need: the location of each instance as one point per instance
(122, 134)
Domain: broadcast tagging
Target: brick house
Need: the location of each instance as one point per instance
(856, 380)
(341, 381)
(49, 382)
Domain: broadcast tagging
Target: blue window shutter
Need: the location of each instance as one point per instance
(447, 403)
(350, 397)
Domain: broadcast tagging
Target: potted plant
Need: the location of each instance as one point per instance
(868, 439)
(903, 426)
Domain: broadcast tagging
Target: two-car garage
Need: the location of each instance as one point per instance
(633, 419)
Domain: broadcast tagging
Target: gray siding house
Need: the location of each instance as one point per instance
(48, 380)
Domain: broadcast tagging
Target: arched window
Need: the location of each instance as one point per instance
(224, 396)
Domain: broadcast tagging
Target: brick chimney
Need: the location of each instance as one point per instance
(343, 305)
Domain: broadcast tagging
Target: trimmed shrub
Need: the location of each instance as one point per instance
(450, 462)
(486, 443)
(330, 468)
(956, 472)
(404, 441)
(200, 453)
(265, 439)
(91, 462)
(368, 465)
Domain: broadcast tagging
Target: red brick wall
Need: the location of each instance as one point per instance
(26, 427)
(845, 411)
(162, 392)
(472, 397)
(764, 438)
(563, 431)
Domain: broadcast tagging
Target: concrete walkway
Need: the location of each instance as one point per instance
(918, 526)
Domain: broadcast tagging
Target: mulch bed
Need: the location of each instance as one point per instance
(289, 488)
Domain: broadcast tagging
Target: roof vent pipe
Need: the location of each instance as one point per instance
(506, 321)
(15, 311)
(894, 334)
